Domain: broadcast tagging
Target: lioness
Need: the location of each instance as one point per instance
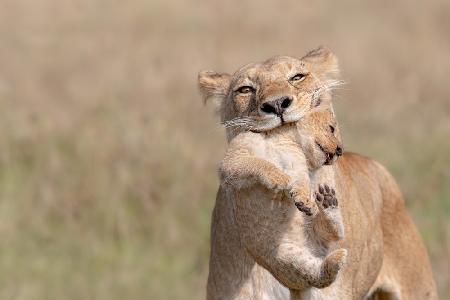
(251, 235)
(268, 159)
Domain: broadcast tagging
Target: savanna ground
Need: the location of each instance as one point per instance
(108, 158)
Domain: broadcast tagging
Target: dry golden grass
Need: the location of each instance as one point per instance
(108, 159)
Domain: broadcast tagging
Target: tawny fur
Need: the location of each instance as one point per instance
(277, 160)
(255, 240)
(277, 156)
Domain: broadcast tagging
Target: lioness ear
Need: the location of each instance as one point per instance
(322, 61)
(213, 85)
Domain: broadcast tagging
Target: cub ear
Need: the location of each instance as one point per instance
(213, 85)
(322, 61)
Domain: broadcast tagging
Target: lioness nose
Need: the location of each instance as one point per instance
(277, 106)
(339, 151)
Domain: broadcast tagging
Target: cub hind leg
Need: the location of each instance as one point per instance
(328, 224)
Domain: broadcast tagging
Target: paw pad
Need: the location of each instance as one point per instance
(326, 197)
(303, 208)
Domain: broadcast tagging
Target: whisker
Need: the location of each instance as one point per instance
(326, 86)
(241, 123)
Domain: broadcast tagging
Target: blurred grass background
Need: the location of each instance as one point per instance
(108, 158)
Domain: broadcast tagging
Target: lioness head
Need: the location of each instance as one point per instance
(262, 96)
(321, 139)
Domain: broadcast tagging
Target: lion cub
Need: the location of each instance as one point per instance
(291, 159)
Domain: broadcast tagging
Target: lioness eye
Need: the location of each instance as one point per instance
(245, 89)
(298, 77)
(332, 129)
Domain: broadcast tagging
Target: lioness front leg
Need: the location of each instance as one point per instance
(328, 224)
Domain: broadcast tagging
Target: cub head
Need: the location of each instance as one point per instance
(320, 137)
(262, 96)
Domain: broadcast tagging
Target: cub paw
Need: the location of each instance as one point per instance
(326, 197)
(277, 181)
(303, 202)
(330, 268)
(334, 262)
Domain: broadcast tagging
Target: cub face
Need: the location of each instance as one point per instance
(320, 137)
(262, 96)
